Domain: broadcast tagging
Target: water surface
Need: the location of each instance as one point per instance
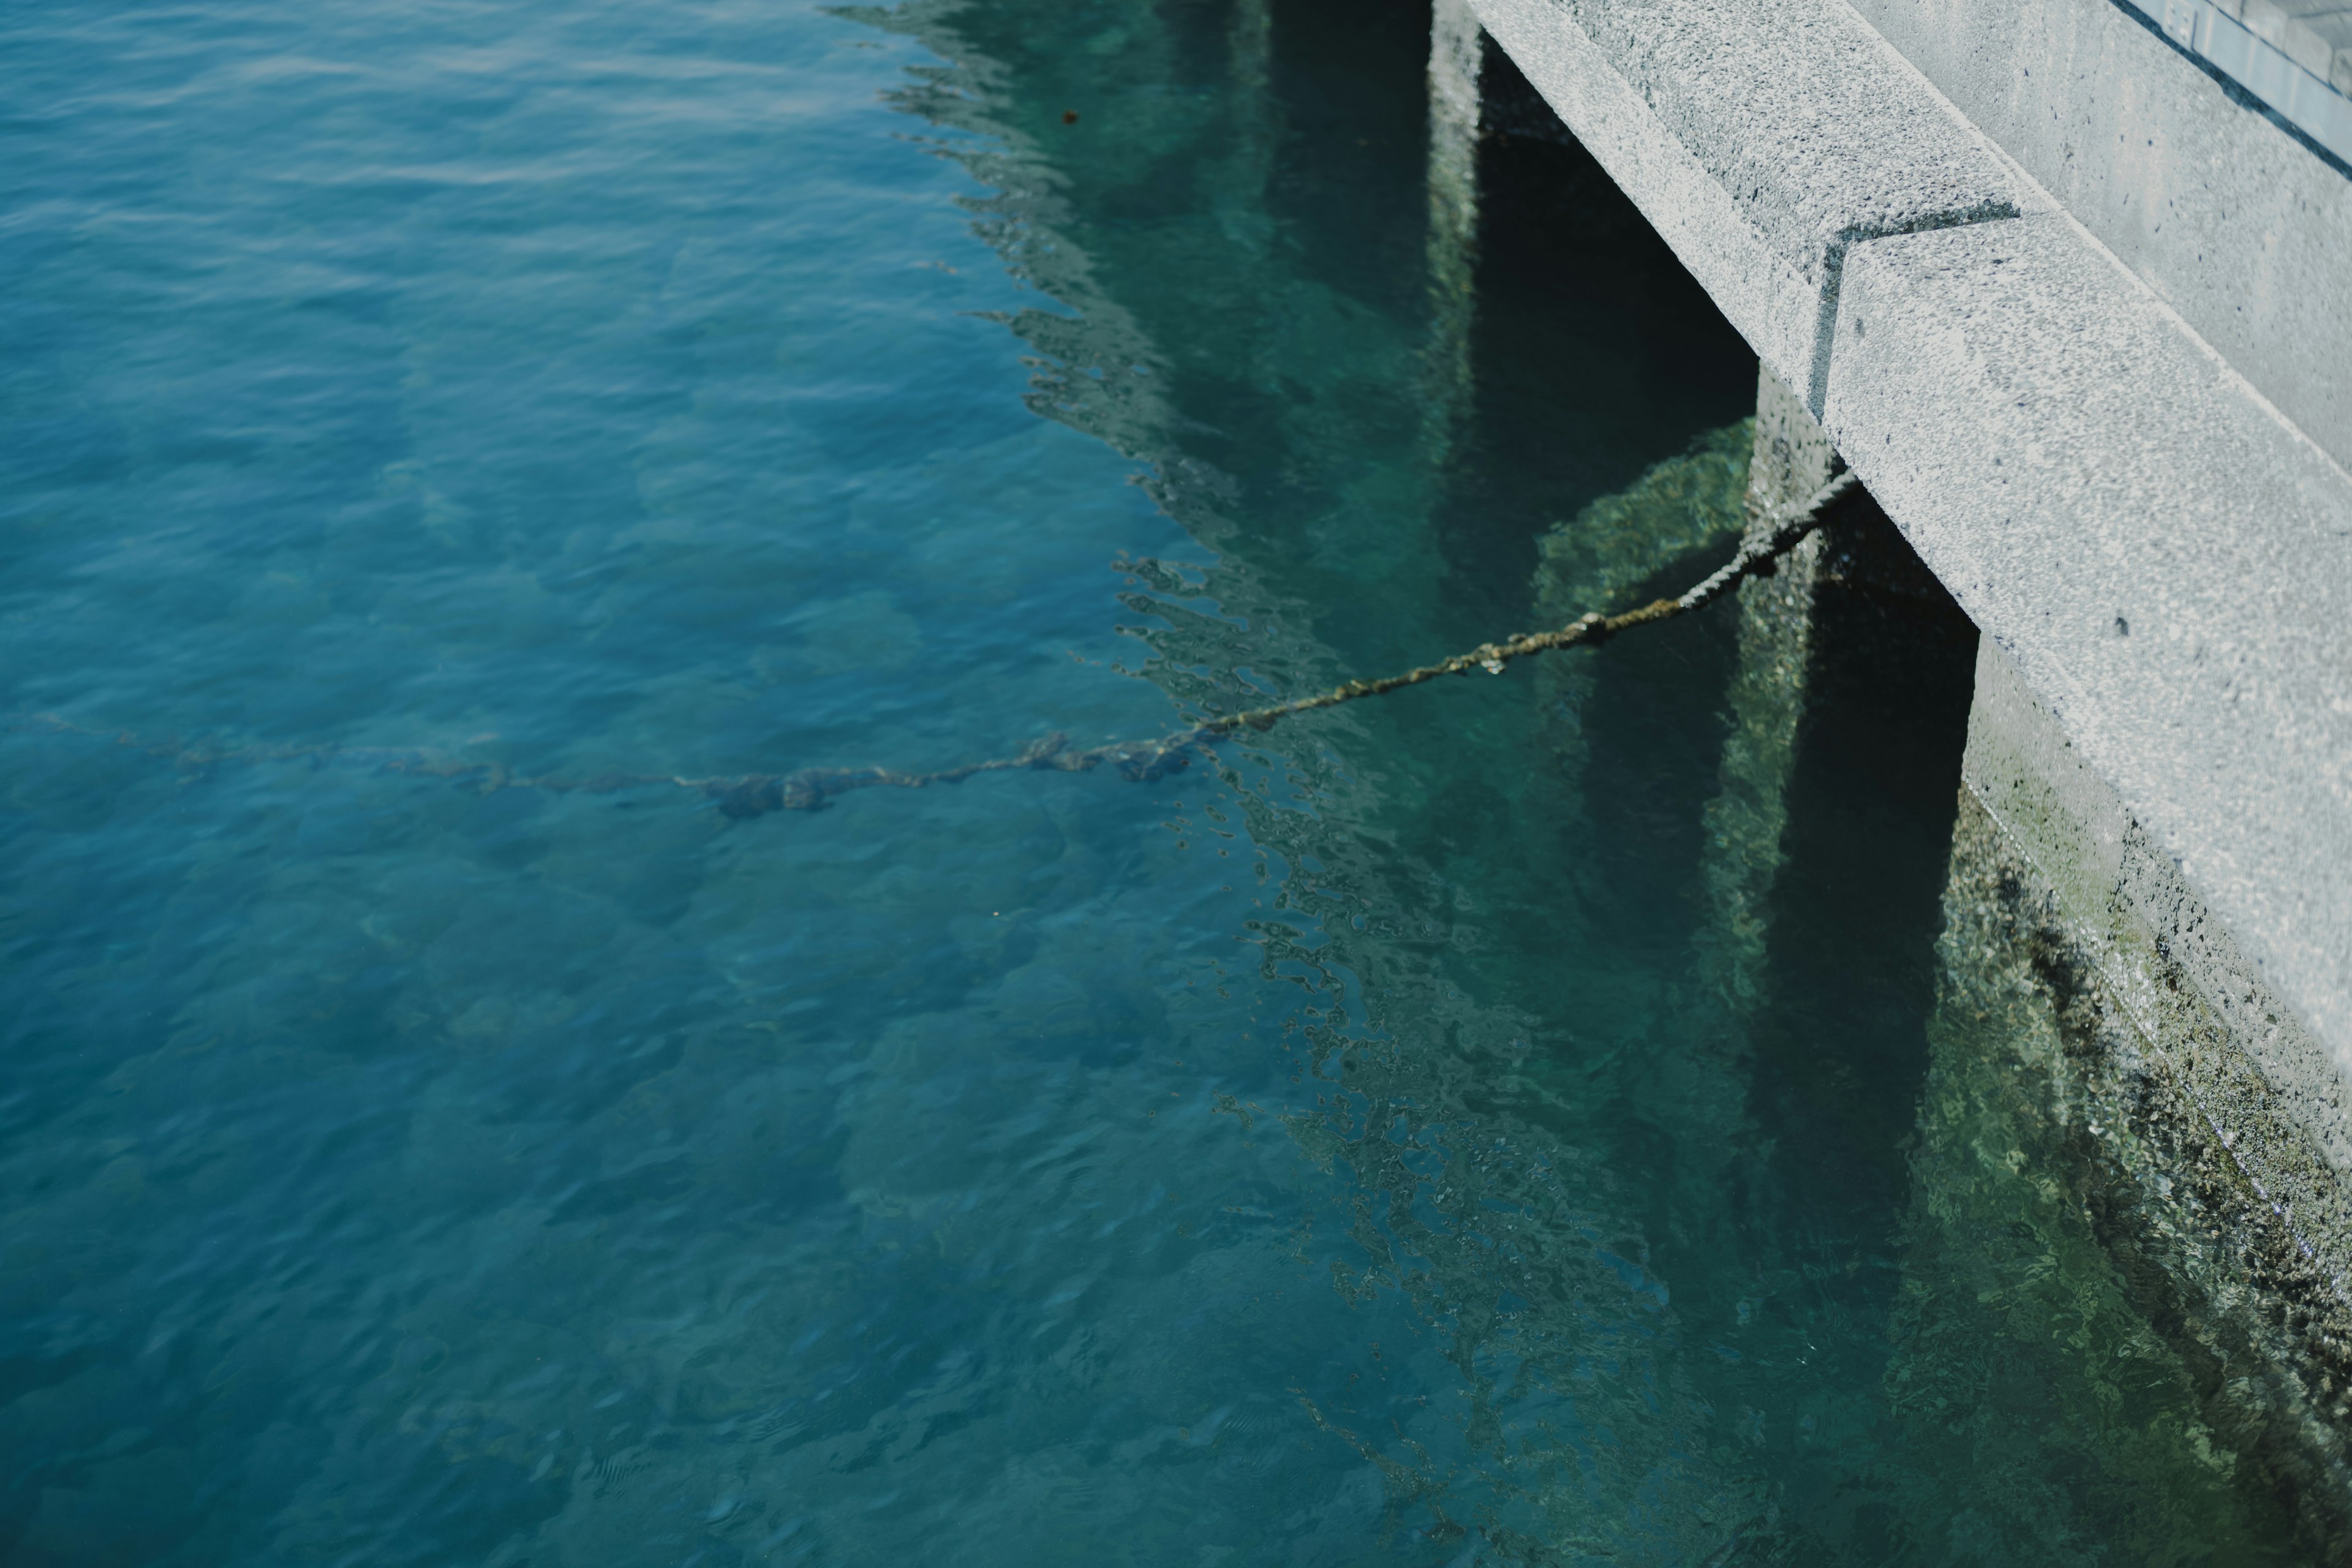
(1349, 1151)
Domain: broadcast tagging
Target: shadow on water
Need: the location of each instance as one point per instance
(1571, 276)
(1857, 905)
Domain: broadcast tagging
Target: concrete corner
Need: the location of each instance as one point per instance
(2168, 563)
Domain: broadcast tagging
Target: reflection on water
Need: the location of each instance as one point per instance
(1360, 1151)
(1687, 1248)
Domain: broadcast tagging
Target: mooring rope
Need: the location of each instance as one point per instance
(745, 796)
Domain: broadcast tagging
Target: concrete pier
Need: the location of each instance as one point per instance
(2075, 302)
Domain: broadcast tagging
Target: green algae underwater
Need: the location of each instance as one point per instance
(1564, 1118)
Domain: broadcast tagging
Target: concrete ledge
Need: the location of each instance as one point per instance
(2167, 561)
(2166, 558)
(2151, 891)
(2246, 232)
(1672, 96)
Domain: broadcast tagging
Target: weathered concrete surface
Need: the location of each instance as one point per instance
(2214, 1133)
(2167, 557)
(2187, 987)
(2170, 563)
(2246, 234)
(1671, 96)
(2098, 453)
(2107, 1151)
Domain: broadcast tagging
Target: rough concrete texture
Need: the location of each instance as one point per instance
(1762, 142)
(2237, 226)
(2151, 903)
(2069, 458)
(2168, 563)
(1456, 50)
(1794, 456)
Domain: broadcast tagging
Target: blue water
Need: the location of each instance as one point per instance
(1327, 1155)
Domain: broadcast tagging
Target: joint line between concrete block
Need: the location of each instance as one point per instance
(1817, 386)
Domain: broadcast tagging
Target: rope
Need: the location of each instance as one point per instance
(1142, 760)
(745, 796)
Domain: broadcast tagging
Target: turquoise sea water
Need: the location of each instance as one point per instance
(1337, 1153)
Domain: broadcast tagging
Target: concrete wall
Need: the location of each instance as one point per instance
(2082, 321)
(2229, 221)
(2161, 552)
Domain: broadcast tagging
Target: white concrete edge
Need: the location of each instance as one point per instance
(2322, 1001)
(1778, 284)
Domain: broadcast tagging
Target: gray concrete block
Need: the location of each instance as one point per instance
(2243, 230)
(1762, 142)
(2167, 561)
(2296, 28)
